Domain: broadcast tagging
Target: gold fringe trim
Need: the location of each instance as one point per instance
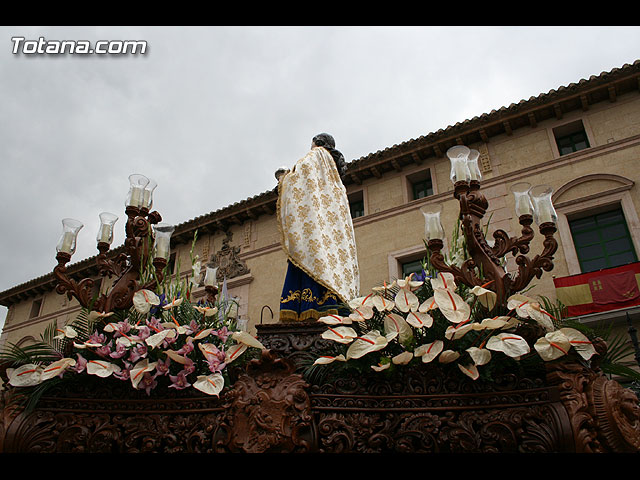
(289, 316)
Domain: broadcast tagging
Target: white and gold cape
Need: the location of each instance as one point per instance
(315, 224)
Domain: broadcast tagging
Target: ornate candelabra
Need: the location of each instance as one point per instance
(145, 235)
(484, 267)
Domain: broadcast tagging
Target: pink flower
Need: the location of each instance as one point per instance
(162, 367)
(147, 383)
(222, 334)
(119, 352)
(137, 352)
(187, 348)
(81, 364)
(179, 381)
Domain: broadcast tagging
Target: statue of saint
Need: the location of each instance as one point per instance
(316, 234)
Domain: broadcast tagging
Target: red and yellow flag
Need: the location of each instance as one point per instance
(600, 291)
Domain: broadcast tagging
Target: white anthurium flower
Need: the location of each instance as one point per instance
(448, 356)
(429, 351)
(470, 370)
(487, 298)
(480, 356)
(157, 338)
(143, 300)
(176, 357)
(125, 341)
(380, 367)
(57, 368)
(370, 342)
(380, 300)
(553, 345)
(101, 368)
(452, 305)
(361, 302)
(203, 334)
(579, 342)
(361, 313)
(180, 329)
(84, 345)
(419, 320)
(25, 376)
(206, 311)
(494, 323)
(525, 307)
(247, 339)
(402, 358)
(455, 332)
(66, 332)
(408, 283)
(209, 384)
(406, 301)
(382, 304)
(234, 352)
(444, 281)
(340, 334)
(508, 343)
(395, 324)
(137, 372)
(428, 305)
(93, 315)
(325, 360)
(174, 303)
(335, 320)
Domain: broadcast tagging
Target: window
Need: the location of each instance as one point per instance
(414, 266)
(36, 306)
(420, 185)
(571, 138)
(356, 204)
(602, 240)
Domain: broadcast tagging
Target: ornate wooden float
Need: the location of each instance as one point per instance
(273, 408)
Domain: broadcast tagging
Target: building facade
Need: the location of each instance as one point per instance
(582, 139)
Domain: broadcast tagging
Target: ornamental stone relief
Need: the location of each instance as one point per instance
(227, 260)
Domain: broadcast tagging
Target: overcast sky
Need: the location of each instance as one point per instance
(211, 112)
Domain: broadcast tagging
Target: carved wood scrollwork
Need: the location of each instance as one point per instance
(268, 410)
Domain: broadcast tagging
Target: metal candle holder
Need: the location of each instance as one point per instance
(485, 258)
(126, 267)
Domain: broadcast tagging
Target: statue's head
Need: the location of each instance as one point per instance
(324, 140)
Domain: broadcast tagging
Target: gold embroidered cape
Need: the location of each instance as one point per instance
(315, 224)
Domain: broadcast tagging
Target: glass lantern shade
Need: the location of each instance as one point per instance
(163, 232)
(70, 229)
(210, 277)
(432, 224)
(147, 201)
(137, 185)
(472, 163)
(542, 205)
(459, 168)
(105, 232)
(523, 200)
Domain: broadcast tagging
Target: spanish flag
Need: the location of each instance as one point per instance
(600, 291)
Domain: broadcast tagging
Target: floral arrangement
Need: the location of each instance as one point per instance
(431, 319)
(428, 318)
(163, 339)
